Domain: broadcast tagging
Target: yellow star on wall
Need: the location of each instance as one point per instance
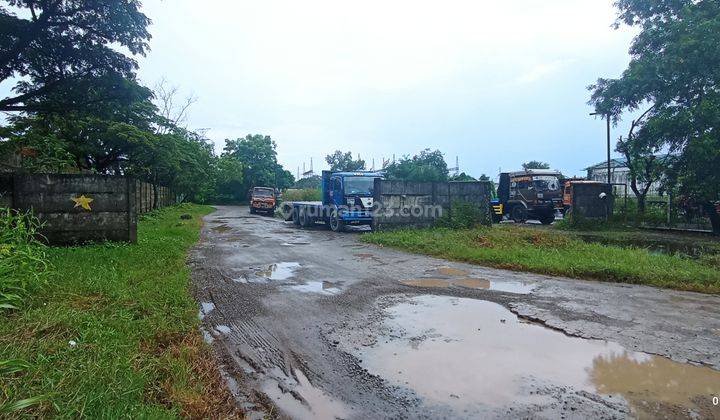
(83, 202)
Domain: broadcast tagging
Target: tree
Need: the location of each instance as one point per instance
(535, 164)
(312, 182)
(63, 46)
(673, 77)
(343, 162)
(427, 166)
(463, 177)
(258, 155)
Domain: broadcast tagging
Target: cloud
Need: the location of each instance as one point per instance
(543, 70)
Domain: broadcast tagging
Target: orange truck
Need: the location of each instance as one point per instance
(568, 192)
(263, 199)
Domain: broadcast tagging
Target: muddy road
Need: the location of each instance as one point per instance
(312, 324)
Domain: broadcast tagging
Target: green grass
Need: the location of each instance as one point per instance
(557, 253)
(128, 308)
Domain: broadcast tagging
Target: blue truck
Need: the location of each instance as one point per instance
(347, 199)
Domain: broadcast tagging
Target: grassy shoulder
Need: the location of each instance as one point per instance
(548, 251)
(114, 332)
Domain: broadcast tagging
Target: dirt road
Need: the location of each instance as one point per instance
(312, 324)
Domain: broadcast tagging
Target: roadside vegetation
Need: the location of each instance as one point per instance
(560, 253)
(112, 331)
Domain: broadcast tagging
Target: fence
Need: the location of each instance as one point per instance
(405, 203)
(670, 213)
(77, 208)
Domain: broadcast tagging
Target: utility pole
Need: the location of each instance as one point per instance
(607, 118)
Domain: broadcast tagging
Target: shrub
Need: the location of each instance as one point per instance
(463, 215)
(307, 194)
(23, 261)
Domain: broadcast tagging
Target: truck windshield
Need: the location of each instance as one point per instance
(263, 193)
(545, 183)
(359, 185)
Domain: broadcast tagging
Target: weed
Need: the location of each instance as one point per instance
(556, 253)
(117, 333)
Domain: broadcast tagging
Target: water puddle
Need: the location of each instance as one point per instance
(473, 283)
(324, 287)
(223, 329)
(205, 309)
(427, 282)
(279, 271)
(301, 400)
(481, 355)
(221, 228)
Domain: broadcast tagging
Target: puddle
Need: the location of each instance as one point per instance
(324, 287)
(480, 355)
(221, 228)
(205, 309)
(473, 283)
(279, 271)
(294, 243)
(428, 282)
(223, 329)
(301, 400)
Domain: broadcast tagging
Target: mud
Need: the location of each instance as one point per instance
(471, 355)
(312, 330)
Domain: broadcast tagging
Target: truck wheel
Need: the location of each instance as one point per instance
(295, 217)
(252, 210)
(305, 220)
(547, 219)
(336, 225)
(519, 214)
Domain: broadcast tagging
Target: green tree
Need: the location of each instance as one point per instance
(463, 177)
(343, 162)
(56, 49)
(258, 155)
(673, 78)
(535, 164)
(426, 166)
(310, 183)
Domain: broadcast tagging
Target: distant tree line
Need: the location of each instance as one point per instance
(77, 105)
(673, 83)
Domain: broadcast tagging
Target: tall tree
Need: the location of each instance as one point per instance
(535, 164)
(426, 166)
(673, 78)
(340, 161)
(258, 155)
(55, 48)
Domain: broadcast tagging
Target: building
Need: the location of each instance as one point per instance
(619, 175)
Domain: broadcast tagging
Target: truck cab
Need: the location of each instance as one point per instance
(529, 194)
(348, 197)
(263, 199)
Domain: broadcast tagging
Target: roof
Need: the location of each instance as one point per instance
(535, 172)
(614, 163)
(360, 173)
(621, 162)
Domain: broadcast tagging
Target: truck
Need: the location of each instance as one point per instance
(347, 199)
(529, 194)
(263, 199)
(568, 192)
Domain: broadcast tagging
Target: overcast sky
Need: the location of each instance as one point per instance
(496, 83)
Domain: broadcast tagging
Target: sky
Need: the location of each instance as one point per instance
(494, 83)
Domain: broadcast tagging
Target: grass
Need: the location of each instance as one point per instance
(555, 252)
(114, 332)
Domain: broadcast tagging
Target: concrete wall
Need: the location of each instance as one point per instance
(587, 202)
(77, 208)
(419, 204)
(145, 197)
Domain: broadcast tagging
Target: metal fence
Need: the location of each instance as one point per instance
(666, 212)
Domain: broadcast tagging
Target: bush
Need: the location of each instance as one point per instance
(23, 261)
(463, 215)
(302, 195)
